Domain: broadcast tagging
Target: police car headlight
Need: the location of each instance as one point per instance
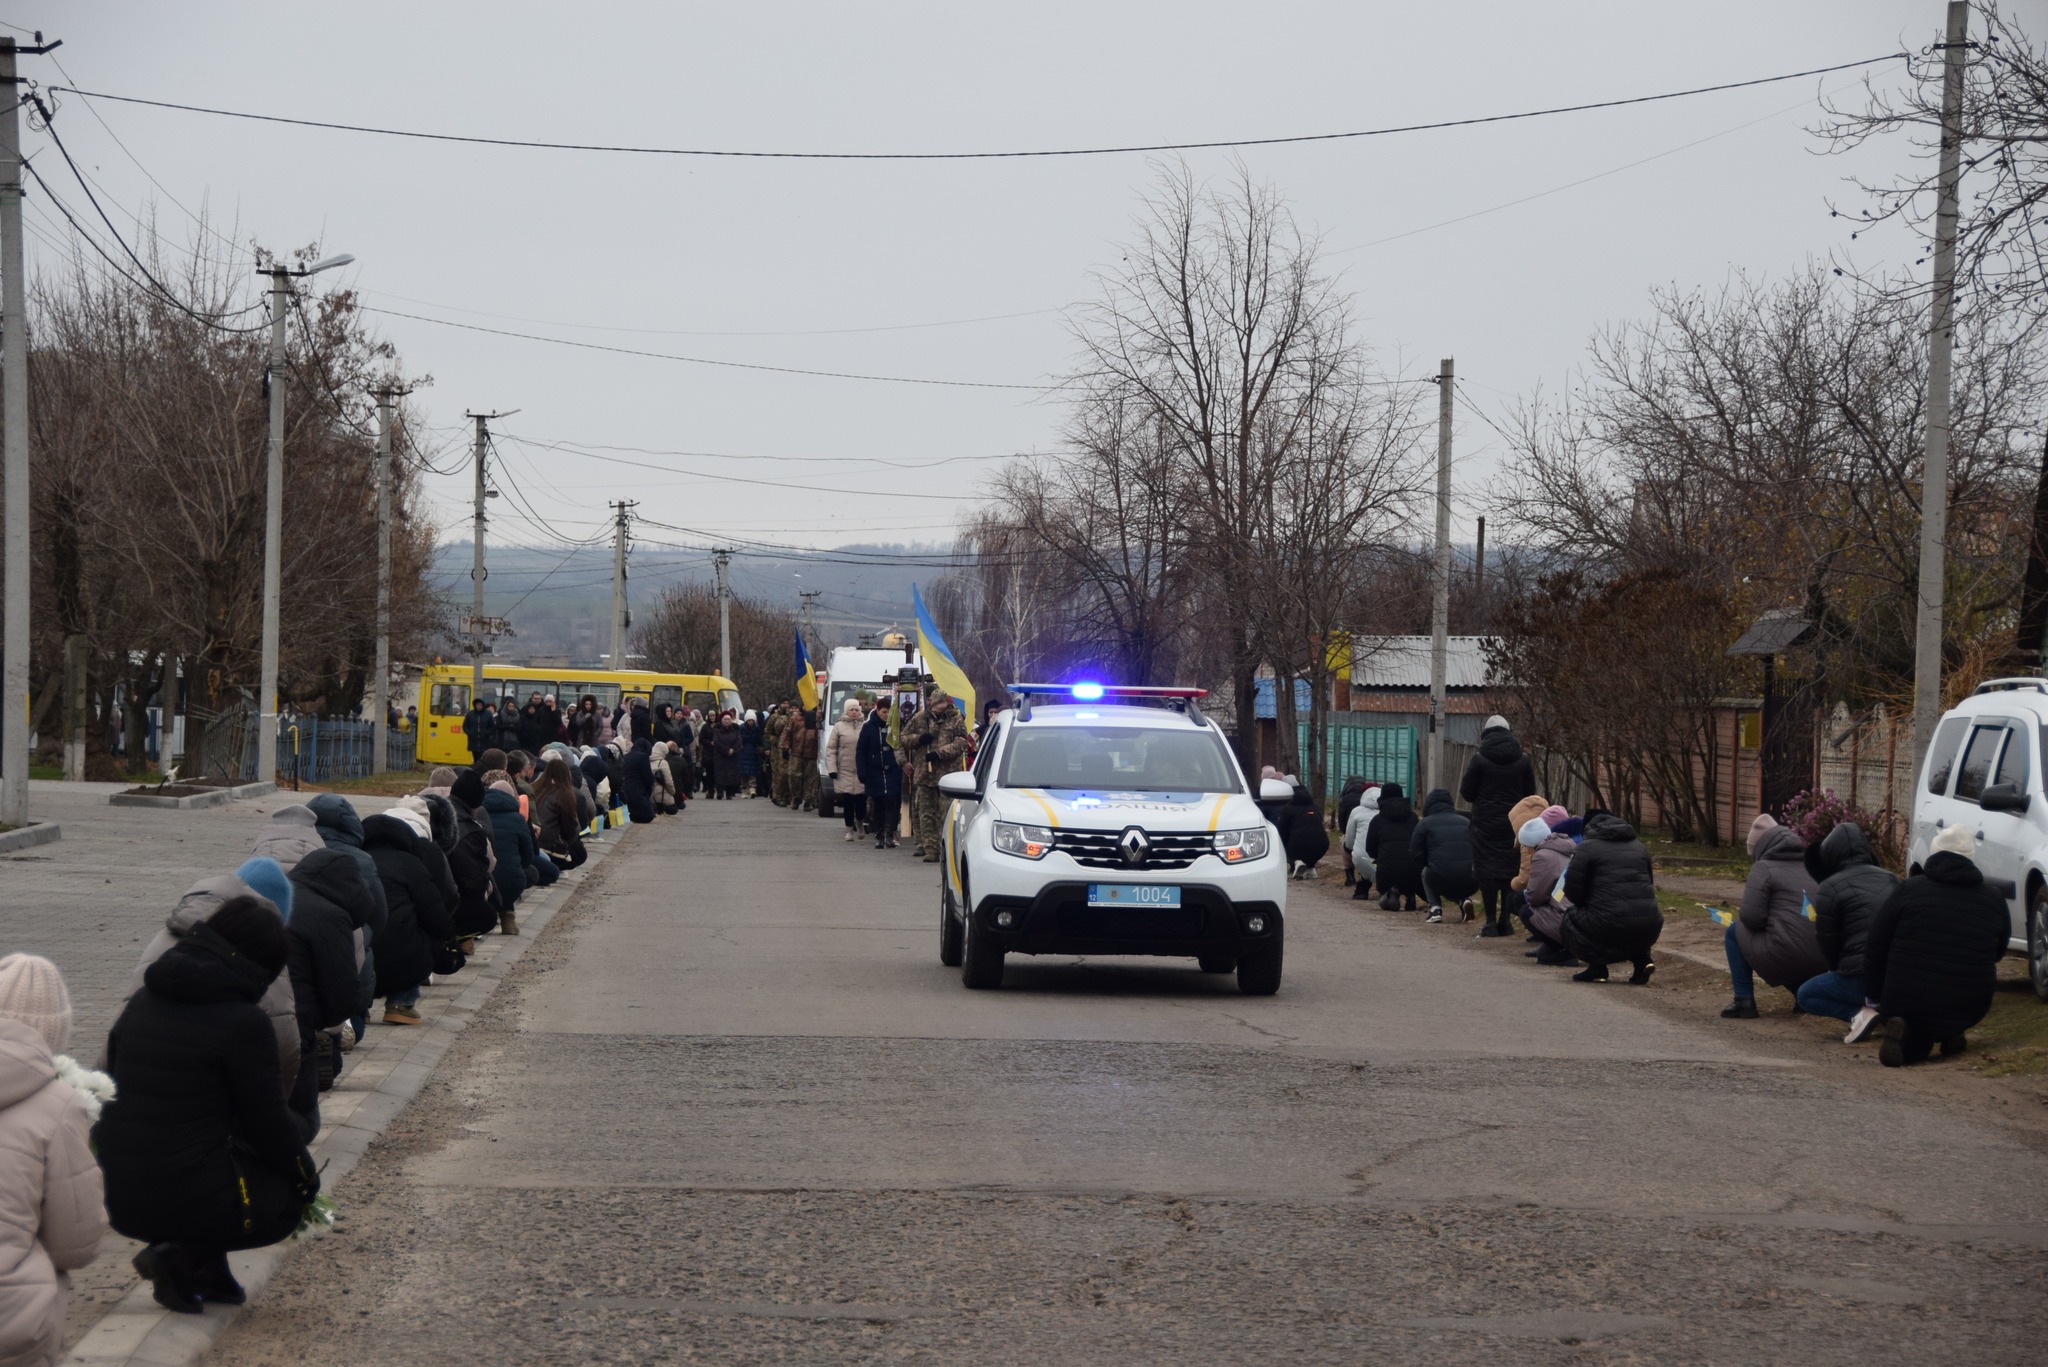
(1026, 842)
(1236, 847)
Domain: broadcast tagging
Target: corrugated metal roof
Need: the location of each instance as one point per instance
(1263, 702)
(1403, 662)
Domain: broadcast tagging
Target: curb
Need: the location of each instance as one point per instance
(29, 836)
(219, 797)
(136, 1330)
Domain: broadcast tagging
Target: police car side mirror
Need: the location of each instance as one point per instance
(2003, 797)
(1276, 790)
(961, 785)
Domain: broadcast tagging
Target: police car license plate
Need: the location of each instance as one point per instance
(1132, 895)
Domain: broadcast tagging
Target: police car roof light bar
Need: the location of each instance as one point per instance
(1185, 700)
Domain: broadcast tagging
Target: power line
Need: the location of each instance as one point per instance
(701, 332)
(702, 360)
(979, 156)
(585, 448)
(741, 479)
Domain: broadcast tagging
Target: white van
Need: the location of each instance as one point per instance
(1984, 770)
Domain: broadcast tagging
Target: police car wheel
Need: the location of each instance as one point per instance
(981, 960)
(2037, 942)
(1258, 970)
(951, 932)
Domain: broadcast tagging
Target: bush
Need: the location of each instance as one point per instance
(1815, 812)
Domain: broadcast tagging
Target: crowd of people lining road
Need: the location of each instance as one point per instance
(192, 1134)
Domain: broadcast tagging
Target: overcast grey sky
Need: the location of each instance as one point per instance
(868, 266)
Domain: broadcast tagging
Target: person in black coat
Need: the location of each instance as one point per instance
(422, 897)
(341, 829)
(200, 1152)
(1442, 845)
(1496, 777)
(1390, 845)
(512, 841)
(1852, 887)
(875, 764)
(1302, 834)
(480, 729)
(476, 908)
(329, 904)
(637, 771)
(1612, 891)
(1931, 959)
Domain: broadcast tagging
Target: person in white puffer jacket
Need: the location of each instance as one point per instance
(1354, 842)
(52, 1208)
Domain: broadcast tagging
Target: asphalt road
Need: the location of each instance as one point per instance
(732, 1109)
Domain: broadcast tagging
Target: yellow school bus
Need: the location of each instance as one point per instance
(444, 695)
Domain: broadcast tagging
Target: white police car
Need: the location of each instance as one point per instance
(1107, 820)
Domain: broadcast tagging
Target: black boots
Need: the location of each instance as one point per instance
(1741, 1009)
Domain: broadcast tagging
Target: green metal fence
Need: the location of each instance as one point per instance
(1382, 754)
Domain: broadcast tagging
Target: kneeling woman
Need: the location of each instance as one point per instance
(200, 1152)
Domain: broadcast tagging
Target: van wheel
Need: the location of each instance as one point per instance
(2037, 941)
(1258, 971)
(951, 932)
(981, 959)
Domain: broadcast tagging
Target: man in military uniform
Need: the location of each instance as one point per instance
(771, 754)
(937, 741)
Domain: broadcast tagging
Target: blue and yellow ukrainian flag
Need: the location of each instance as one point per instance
(938, 661)
(806, 677)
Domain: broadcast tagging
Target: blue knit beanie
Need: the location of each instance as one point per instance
(265, 878)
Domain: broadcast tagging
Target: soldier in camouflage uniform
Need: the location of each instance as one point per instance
(804, 785)
(937, 741)
(771, 752)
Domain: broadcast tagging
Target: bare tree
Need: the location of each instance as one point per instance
(680, 636)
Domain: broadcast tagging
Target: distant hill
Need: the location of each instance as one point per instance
(560, 606)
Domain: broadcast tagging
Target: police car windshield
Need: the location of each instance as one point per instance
(1120, 759)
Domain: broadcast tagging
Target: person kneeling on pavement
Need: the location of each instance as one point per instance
(1390, 846)
(1613, 895)
(329, 905)
(1771, 937)
(1852, 887)
(1549, 841)
(1301, 832)
(1442, 845)
(1356, 823)
(421, 897)
(1931, 962)
(201, 1155)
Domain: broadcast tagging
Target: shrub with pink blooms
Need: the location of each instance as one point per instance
(1815, 812)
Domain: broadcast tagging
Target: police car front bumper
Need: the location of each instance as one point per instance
(1057, 919)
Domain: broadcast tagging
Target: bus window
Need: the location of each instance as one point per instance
(607, 694)
(700, 699)
(666, 693)
(494, 691)
(450, 700)
(729, 700)
(529, 687)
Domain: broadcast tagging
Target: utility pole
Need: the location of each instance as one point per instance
(380, 682)
(273, 530)
(13, 453)
(1927, 630)
(724, 616)
(621, 618)
(1440, 595)
(476, 567)
(810, 597)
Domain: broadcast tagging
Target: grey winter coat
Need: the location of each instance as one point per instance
(290, 835)
(1852, 888)
(1547, 863)
(1772, 929)
(201, 901)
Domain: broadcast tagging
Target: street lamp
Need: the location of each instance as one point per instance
(273, 511)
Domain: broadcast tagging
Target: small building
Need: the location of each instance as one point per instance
(1390, 678)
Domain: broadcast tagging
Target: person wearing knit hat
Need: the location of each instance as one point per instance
(1930, 964)
(1498, 782)
(49, 1180)
(1772, 936)
(266, 878)
(1763, 825)
(1555, 816)
(1533, 833)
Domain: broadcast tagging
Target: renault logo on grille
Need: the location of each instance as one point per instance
(1135, 846)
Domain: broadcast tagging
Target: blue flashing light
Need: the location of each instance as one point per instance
(1088, 692)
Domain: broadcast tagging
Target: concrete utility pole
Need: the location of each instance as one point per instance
(380, 681)
(724, 617)
(810, 597)
(1440, 595)
(273, 531)
(1940, 341)
(13, 453)
(621, 618)
(476, 568)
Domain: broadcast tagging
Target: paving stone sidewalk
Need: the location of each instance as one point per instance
(91, 901)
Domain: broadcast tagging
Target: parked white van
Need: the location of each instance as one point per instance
(1984, 770)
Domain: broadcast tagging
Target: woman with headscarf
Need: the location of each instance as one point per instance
(842, 762)
(753, 769)
(725, 755)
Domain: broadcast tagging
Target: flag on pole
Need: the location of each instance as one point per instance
(938, 661)
(806, 677)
